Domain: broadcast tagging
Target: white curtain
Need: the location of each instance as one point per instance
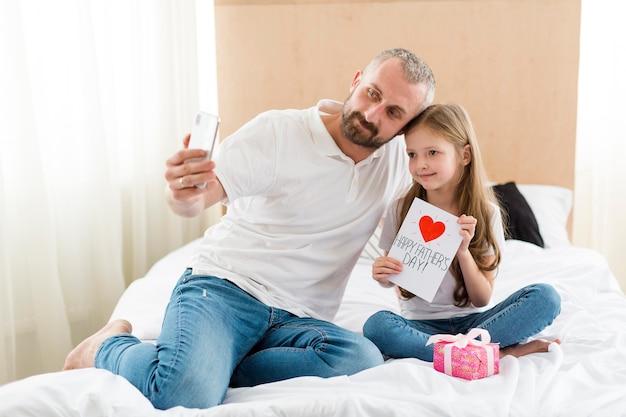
(600, 189)
(95, 95)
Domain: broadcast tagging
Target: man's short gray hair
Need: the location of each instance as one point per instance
(415, 69)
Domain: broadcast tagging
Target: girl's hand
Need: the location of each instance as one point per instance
(468, 228)
(383, 267)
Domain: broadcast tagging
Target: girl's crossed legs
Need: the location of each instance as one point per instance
(523, 314)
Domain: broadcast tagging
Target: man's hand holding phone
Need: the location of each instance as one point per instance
(188, 169)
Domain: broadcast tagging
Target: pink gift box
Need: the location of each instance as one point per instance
(465, 357)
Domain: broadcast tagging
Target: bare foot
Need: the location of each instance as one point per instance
(534, 346)
(84, 354)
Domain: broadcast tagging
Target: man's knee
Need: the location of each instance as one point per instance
(361, 354)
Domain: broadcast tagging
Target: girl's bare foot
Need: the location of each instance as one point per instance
(84, 354)
(534, 346)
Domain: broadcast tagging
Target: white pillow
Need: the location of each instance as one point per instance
(551, 206)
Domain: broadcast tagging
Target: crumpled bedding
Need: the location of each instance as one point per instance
(583, 376)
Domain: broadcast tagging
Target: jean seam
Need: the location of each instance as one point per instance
(320, 348)
(172, 366)
(493, 319)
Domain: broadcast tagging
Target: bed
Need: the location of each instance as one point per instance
(583, 376)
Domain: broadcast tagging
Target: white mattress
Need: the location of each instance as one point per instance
(584, 376)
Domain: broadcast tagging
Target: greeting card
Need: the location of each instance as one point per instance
(426, 244)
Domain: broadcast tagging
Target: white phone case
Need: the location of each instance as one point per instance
(204, 135)
(204, 132)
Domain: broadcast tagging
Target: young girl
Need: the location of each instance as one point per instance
(447, 172)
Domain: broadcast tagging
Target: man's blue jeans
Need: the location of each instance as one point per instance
(215, 334)
(521, 315)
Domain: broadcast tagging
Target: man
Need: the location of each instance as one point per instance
(305, 190)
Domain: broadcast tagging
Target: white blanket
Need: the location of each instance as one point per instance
(584, 376)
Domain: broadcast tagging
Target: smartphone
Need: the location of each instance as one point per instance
(204, 135)
(204, 132)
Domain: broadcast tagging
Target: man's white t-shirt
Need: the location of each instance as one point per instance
(299, 210)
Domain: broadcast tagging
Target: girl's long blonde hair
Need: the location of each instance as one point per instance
(451, 122)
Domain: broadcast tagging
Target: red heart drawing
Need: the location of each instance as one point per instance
(431, 230)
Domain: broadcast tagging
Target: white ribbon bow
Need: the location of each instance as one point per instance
(461, 341)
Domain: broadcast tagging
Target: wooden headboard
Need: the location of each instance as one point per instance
(512, 64)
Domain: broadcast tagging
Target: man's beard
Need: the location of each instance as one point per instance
(358, 131)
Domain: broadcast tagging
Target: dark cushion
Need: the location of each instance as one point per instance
(521, 223)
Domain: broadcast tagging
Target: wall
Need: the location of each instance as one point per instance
(512, 63)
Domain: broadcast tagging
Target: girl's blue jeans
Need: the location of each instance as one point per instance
(523, 314)
(214, 335)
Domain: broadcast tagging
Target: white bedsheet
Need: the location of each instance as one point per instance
(584, 376)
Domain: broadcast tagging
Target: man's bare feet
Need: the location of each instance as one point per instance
(84, 354)
(534, 346)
